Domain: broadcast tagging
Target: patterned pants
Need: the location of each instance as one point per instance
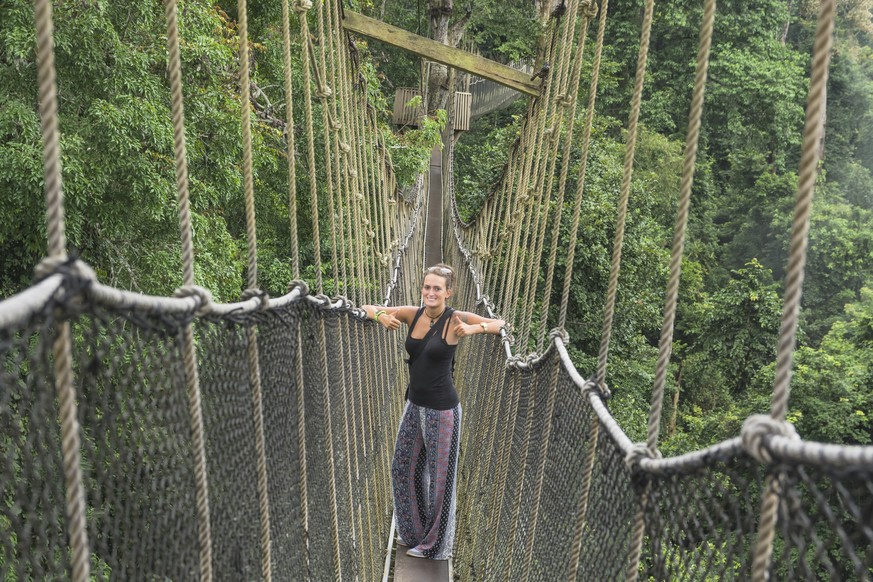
(423, 476)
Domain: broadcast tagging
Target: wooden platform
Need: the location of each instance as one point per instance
(407, 569)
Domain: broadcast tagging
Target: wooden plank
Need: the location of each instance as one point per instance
(407, 569)
(436, 51)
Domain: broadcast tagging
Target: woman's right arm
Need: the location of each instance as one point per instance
(390, 317)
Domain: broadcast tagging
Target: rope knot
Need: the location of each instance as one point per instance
(354, 174)
(593, 386)
(64, 265)
(201, 294)
(346, 148)
(260, 294)
(639, 452)
(335, 125)
(371, 234)
(301, 6)
(561, 333)
(589, 8)
(297, 284)
(324, 92)
(755, 430)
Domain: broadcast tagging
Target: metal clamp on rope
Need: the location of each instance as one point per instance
(201, 294)
(260, 294)
(755, 431)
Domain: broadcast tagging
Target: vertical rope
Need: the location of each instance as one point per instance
(289, 135)
(666, 341)
(189, 349)
(630, 149)
(583, 164)
(301, 7)
(295, 270)
(252, 332)
(62, 348)
(582, 508)
(639, 523)
(812, 134)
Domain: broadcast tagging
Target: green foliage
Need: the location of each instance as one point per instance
(410, 150)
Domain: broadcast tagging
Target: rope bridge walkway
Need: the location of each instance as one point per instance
(177, 438)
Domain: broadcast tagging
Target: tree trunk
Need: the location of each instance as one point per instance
(787, 24)
(440, 14)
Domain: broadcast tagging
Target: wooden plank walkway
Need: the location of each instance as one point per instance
(433, 234)
(408, 569)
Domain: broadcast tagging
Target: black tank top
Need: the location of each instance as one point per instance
(430, 366)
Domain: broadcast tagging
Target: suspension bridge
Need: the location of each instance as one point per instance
(178, 438)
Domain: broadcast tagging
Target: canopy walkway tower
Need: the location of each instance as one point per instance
(179, 438)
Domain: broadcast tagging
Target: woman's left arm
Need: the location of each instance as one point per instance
(465, 323)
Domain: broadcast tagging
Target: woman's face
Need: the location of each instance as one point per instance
(434, 292)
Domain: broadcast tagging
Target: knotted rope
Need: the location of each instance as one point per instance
(71, 444)
(812, 132)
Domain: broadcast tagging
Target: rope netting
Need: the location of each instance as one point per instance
(187, 439)
(176, 438)
(553, 488)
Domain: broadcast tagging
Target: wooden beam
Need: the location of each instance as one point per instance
(441, 53)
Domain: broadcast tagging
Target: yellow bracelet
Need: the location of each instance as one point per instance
(378, 314)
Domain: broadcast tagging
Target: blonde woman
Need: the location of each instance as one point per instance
(424, 468)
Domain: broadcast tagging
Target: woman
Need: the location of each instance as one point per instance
(424, 469)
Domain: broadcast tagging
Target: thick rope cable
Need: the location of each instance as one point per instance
(71, 444)
(630, 149)
(666, 341)
(812, 134)
(252, 332)
(583, 164)
(295, 270)
(639, 524)
(301, 7)
(189, 349)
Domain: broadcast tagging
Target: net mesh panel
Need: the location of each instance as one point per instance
(701, 524)
(32, 522)
(139, 480)
(136, 444)
(826, 522)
